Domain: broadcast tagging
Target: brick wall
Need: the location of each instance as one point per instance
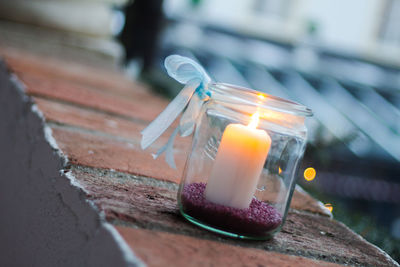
(95, 192)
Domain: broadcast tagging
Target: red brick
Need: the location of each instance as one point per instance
(134, 91)
(303, 201)
(89, 119)
(106, 80)
(124, 198)
(78, 75)
(21, 61)
(149, 204)
(103, 152)
(132, 107)
(93, 120)
(166, 249)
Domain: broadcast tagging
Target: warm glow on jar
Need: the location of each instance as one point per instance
(261, 96)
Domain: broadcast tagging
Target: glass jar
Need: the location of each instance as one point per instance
(240, 175)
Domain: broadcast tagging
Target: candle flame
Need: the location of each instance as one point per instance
(261, 96)
(255, 119)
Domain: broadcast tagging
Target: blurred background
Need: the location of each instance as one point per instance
(340, 58)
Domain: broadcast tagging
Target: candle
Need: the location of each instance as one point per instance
(240, 159)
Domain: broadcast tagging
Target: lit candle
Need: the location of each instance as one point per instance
(237, 168)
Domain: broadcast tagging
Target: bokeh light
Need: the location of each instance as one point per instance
(309, 174)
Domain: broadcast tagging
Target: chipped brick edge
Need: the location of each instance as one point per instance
(99, 242)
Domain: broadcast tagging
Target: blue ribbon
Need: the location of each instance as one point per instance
(191, 97)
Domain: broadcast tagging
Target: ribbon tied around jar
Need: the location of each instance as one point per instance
(188, 103)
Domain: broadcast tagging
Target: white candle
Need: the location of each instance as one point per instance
(237, 168)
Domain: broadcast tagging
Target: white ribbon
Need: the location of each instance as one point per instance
(191, 97)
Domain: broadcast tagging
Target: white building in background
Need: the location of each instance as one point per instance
(367, 28)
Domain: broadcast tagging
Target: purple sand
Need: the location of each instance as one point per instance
(260, 218)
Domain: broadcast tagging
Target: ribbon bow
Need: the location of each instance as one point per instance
(191, 97)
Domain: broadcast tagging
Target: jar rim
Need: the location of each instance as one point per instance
(243, 95)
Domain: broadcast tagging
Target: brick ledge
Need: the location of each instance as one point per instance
(136, 194)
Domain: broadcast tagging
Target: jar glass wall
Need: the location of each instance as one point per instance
(240, 175)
